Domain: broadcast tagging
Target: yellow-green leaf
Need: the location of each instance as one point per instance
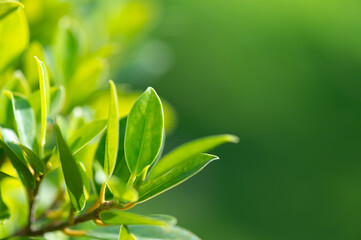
(86, 134)
(121, 191)
(112, 139)
(124, 234)
(24, 119)
(44, 100)
(7, 7)
(14, 37)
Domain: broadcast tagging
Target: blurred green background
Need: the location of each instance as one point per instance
(285, 76)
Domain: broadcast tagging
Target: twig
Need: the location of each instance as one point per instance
(79, 219)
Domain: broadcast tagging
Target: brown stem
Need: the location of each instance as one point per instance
(66, 224)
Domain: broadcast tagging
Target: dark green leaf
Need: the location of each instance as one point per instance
(174, 177)
(184, 152)
(4, 210)
(144, 132)
(72, 176)
(86, 134)
(24, 119)
(120, 217)
(112, 140)
(10, 138)
(22, 170)
(35, 162)
(8, 7)
(4, 175)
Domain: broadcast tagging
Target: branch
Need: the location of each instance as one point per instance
(79, 219)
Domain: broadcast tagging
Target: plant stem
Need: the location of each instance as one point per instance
(79, 219)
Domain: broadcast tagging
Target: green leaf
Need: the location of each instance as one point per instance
(86, 134)
(22, 170)
(24, 119)
(8, 7)
(5, 175)
(144, 132)
(65, 51)
(112, 140)
(4, 210)
(124, 234)
(35, 162)
(72, 175)
(30, 66)
(44, 100)
(57, 99)
(120, 217)
(14, 31)
(121, 191)
(161, 233)
(10, 138)
(174, 177)
(184, 152)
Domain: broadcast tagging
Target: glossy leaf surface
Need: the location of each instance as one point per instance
(120, 217)
(24, 119)
(35, 162)
(174, 177)
(121, 191)
(72, 176)
(44, 100)
(144, 132)
(184, 152)
(112, 139)
(86, 134)
(22, 170)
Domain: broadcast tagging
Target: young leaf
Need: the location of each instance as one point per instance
(30, 66)
(112, 140)
(121, 191)
(4, 210)
(72, 176)
(22, 170)
(45, 101)
(57, 99)
(184, 152)
(176, 176)
(8, 7)
(35, 162)
(124, 234)
(86, 134)
(120, 217)
(24, 119)
(144, 132)
(9, 137)
(14, 38)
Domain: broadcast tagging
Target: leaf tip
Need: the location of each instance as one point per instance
(232, 138)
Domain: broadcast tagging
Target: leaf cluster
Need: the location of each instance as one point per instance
(89, 165)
